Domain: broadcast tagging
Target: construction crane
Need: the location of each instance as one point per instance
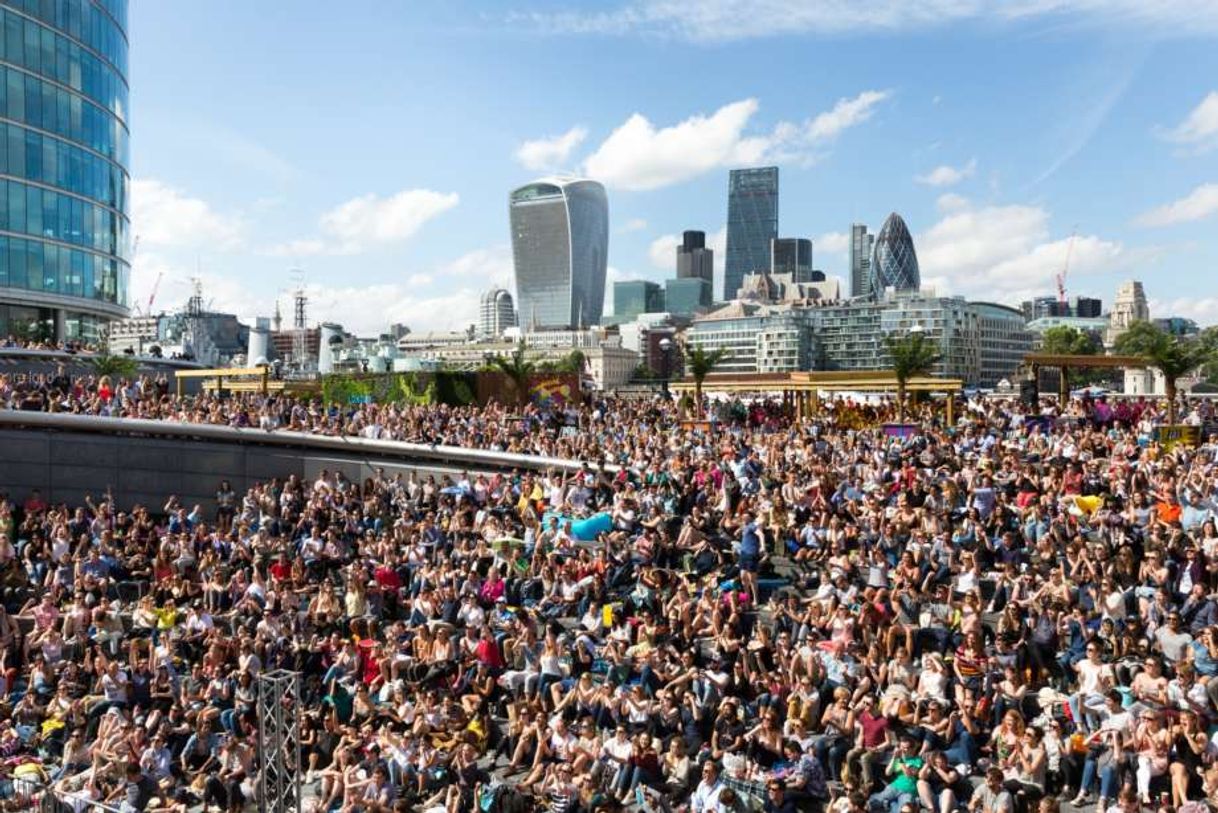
(152, 296)
(1061, 275)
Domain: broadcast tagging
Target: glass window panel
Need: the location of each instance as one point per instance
(33, 211)
(16, 95)
(4, 261)
(16, 207)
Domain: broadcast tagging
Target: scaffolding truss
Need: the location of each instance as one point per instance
(279, 742)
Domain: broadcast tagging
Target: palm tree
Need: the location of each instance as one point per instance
(913, 353)
(699, 363)
(113, 366)
(1173, 356)
(517, 368)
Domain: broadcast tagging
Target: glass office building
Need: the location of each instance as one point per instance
(792, 255)
(752, 222)
(560, 246)
(64, 153)
(894, 263)
(861, 246)
(632, 297)
(688, 296)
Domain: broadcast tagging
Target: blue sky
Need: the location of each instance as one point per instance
(374, 149)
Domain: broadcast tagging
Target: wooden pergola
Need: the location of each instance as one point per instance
(801, 389)
(239, 379)
(1065, 361)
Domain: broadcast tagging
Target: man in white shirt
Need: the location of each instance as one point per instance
(706, 796)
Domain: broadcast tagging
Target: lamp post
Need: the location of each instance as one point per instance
(665, 350)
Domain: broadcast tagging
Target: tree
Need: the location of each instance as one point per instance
(1064, 340)
(1173, 356)
(517, 368)
(1209, 340)
(699, 363)
(913, 354)
(113, 366)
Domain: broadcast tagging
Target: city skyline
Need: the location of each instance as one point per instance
(1108, 123)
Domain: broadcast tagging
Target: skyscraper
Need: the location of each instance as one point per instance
(861, 244)
(752, 222)
(894, 263)
(632, 297)
(560, 244)
(694, 259)
(496, 314)
(65, 256)
(792, 255)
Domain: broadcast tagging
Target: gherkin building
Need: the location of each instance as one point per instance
(894, 263)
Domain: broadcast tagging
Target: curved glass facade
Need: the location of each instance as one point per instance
(894, 263)
(560, 243)
(64, 152)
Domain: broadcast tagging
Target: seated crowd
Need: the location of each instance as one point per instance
(768, 614)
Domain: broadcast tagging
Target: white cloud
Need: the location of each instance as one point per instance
(369, 309)
(951, 202)
(367, 221)
(834, 242)
(1203, 311)
(444, 297)
(947, 175)
(164, 216)
(728, 20)
(632, 225)
(493, 266)
(1200, 128)
(1006, 253)
(639, 156)
(552, 152)
(371, 219)
(845, 114)
(663, 252)
(307, 247)
(1201, 202)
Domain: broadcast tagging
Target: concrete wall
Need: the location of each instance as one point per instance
(66, 467)
(68, 456)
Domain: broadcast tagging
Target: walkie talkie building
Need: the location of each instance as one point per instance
(560, 248)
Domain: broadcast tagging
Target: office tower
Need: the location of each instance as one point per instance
(694, 259)
(633, 297)
(792, 255)
(894, 263)
(752, 222)
(65, 256)
(496, 313)
(861, 244)
(1087, 307)
(686, 297)
(560, 244)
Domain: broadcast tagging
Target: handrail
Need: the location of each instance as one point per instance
(32, 794)
(457, 456)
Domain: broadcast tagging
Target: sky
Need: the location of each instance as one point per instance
(367, 155)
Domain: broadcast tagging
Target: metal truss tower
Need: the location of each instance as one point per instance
(279, 742)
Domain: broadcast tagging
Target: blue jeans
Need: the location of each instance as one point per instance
(889, 797)
(963, 749)
(1108, 778)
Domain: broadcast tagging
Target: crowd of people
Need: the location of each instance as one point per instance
(1013, 613)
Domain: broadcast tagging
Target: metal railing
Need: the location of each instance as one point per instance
(34, 794)
(451, 456)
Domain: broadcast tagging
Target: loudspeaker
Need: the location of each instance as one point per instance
(1029, 393)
